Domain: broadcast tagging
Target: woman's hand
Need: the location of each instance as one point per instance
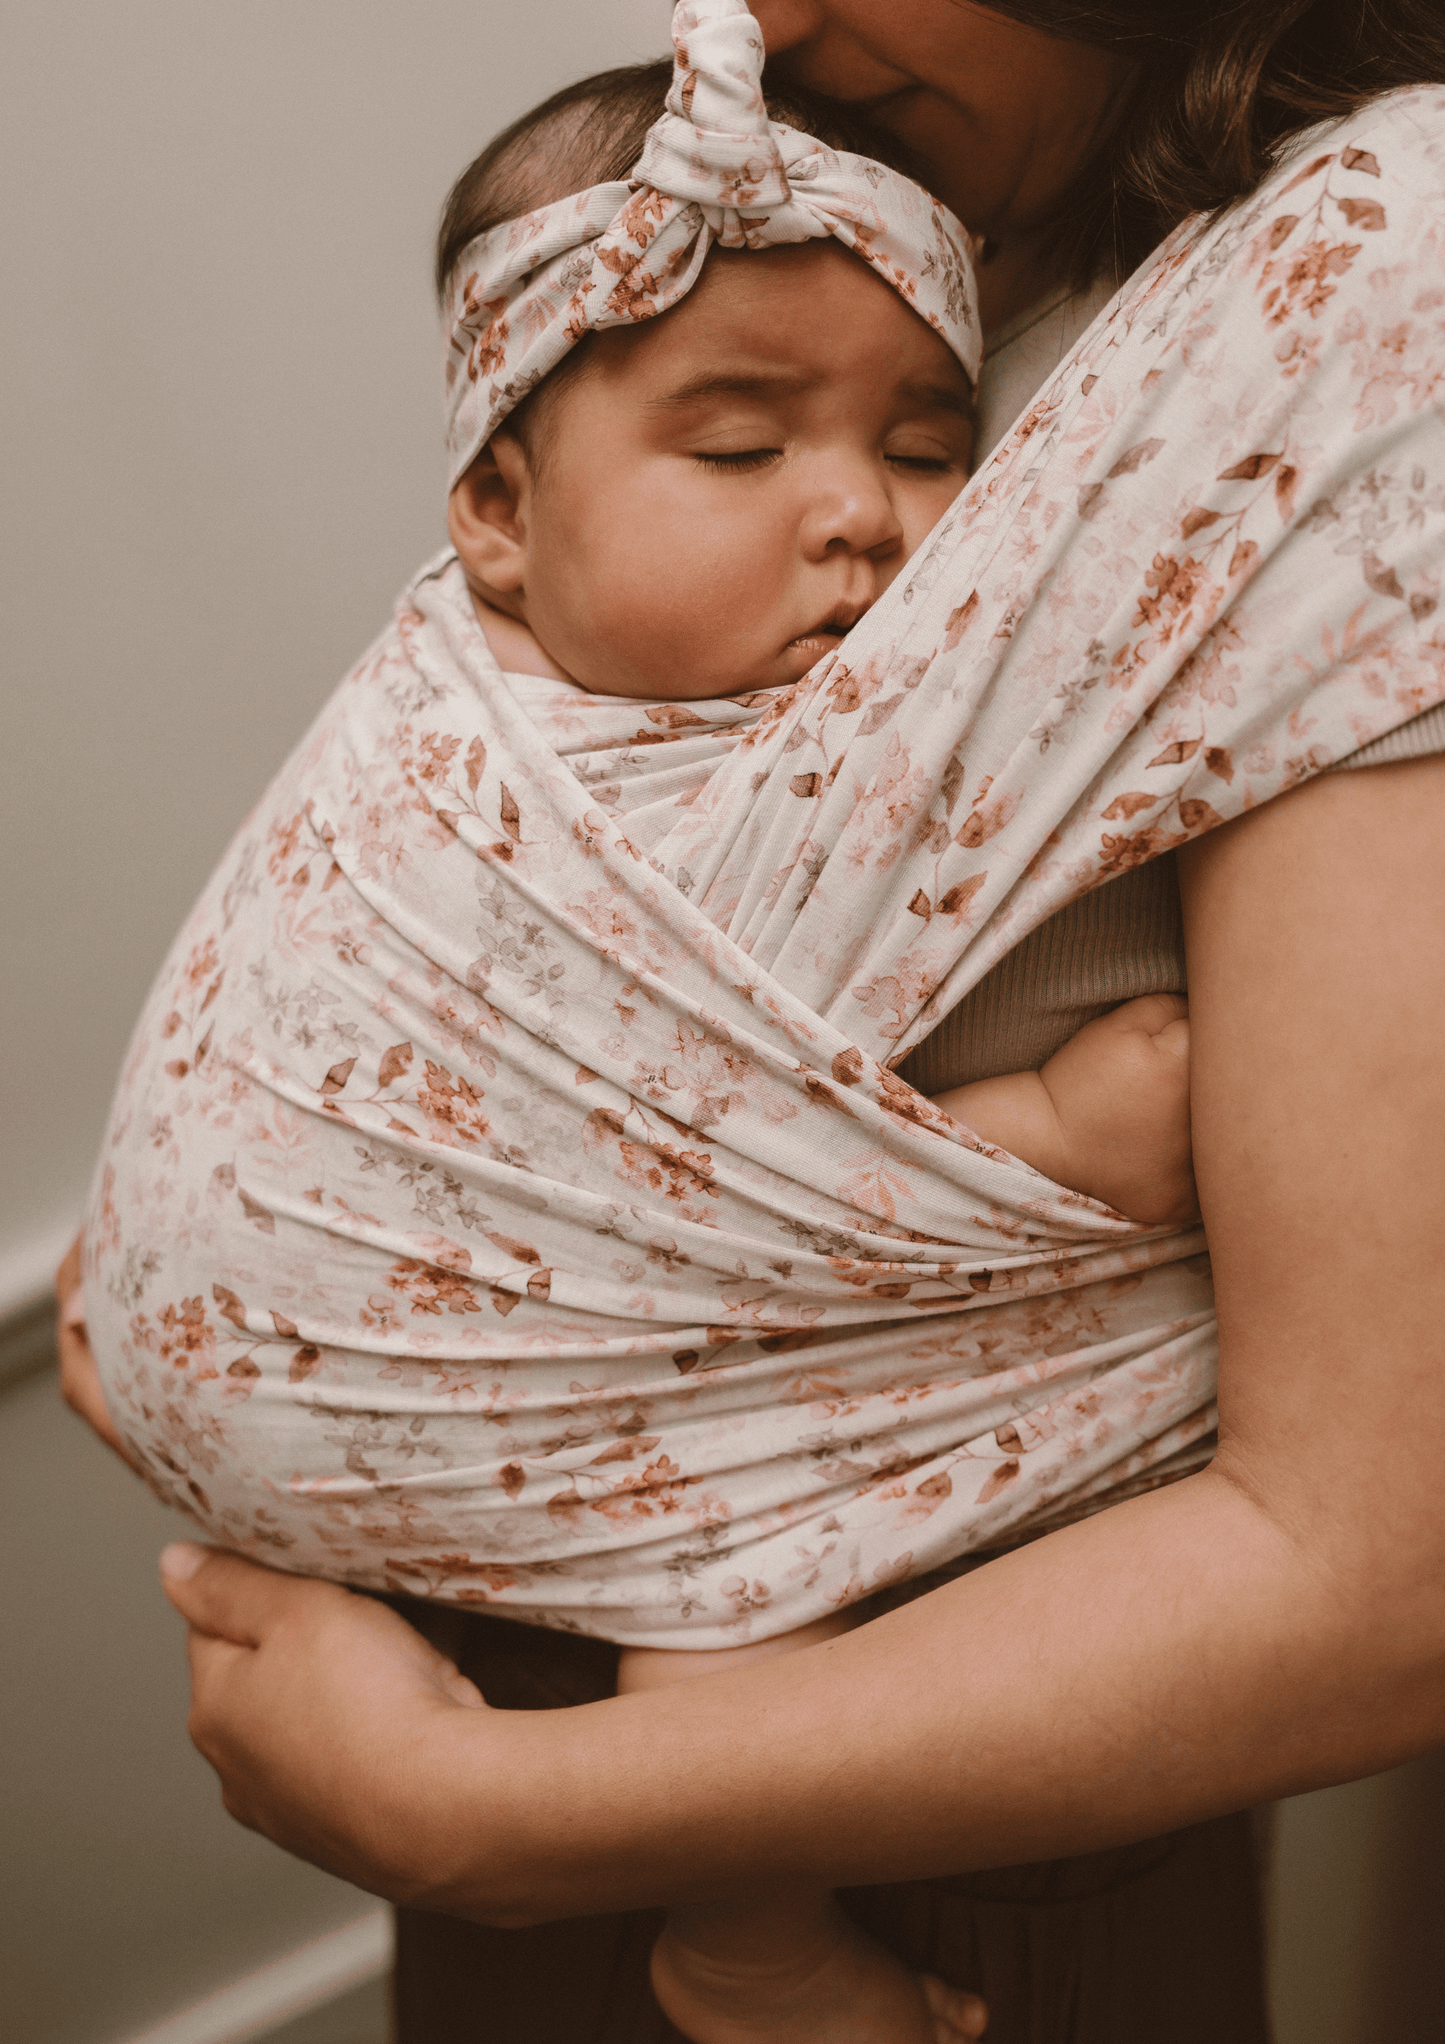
(79, 1378)
(329, 1720)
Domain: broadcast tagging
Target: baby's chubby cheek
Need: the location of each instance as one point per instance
(641, 600)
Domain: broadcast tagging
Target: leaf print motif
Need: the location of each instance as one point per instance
(675, 717)
(1361, 160)
(394, 1065)
(1250, 469)
(230, 1305)
(256, 1212)
(1310, 171)
(519, 1252)
(1381, 577)
(1124, 806)
(1366, 213)
(954, 901)
(959, 620)
(1134, 458)
(511, 816)
(336, 1078)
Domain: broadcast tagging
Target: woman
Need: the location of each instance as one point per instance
(1269, 1625)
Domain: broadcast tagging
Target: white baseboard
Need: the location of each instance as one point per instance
(304, 1979)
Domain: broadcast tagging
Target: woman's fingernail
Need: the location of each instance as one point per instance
(72, 1312)
(181, 1559)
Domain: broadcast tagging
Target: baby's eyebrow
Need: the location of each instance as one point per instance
(760, 383)
(699, 389)
(937, 397)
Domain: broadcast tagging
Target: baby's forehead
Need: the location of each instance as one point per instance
(764, 322)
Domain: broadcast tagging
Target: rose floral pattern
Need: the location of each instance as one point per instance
(508, 1196)
(715, 170)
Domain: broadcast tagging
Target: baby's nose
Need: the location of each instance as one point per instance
(850, 513)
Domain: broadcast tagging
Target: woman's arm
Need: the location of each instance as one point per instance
(1272, 1624)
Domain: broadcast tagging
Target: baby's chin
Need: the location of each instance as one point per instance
(681, 684)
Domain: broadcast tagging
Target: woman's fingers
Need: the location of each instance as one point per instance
(315, 1706)
(79, 1378)
(224, 1597)
(227, 1597)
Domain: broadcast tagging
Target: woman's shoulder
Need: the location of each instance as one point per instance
(1397, 138)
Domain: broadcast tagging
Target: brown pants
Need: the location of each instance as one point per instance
(1152, 1944)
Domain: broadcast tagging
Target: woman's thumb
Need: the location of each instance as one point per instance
(222, 1594)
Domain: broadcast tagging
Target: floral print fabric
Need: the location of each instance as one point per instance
(508, 1196)
(714, 170)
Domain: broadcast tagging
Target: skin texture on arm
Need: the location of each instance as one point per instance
(1273, 1624)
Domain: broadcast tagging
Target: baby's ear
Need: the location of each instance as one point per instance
(487, 519)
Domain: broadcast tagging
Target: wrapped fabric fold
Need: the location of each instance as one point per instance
(509, 1197)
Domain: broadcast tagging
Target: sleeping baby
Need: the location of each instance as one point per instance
(664, 519)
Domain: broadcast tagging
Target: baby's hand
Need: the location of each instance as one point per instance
(1120, 1091)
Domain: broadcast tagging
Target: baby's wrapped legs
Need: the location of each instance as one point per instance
(782, 1964)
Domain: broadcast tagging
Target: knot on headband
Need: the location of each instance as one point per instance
(715, 147)
(714, 169)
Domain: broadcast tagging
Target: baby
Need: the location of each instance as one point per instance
(703, 506)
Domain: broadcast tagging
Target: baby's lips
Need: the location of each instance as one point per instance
(831, 632)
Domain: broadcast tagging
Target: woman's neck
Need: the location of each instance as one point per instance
(1013, 275)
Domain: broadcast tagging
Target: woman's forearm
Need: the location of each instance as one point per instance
(1172, 1658)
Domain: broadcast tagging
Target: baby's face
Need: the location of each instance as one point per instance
(719, 494)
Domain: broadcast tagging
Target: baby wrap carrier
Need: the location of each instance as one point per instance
(508, 1197)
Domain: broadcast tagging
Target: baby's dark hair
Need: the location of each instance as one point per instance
(592, 133)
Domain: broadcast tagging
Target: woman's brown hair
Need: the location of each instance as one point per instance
(1222, 86)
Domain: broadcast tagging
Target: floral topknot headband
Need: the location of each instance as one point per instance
(714, 168)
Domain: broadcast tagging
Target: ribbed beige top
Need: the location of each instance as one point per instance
(1125, 938)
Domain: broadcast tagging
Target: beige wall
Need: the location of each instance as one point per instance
(221, 428)
(222, 454)
(221, 458)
